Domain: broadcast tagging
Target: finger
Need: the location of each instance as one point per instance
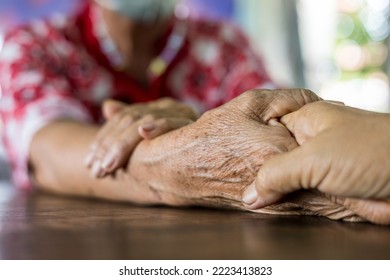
(96, 170)
(150, 130)
(299, 126)
(275, 123)
(277, 177)
(112, 107)
(120, 149)
(163, 103)
(107, 134)
(282, 102)
(311, 120)
(107, 129)
(319, 115)
(99, 152)
(97, 142)
(376, 211)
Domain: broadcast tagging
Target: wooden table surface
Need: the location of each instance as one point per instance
(43, 226)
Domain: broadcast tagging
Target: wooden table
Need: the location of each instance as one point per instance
(42, 226)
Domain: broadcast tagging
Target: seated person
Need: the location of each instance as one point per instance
(134, 51)
(56, 75)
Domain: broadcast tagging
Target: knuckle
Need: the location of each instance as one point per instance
(250, 94)
(255, 97)
(149, 117)
(254, 103)
(166, 102)
(135, 113)
(164, 123)
(127, 120)
(118, 117)
(190, 112)
(118, 148)
(308, 96)
(257, 93)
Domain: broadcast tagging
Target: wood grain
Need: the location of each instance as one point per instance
(42, 226)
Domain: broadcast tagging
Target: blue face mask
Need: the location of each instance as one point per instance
(141, 10)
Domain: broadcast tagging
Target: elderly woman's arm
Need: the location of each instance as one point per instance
(58, 149)
(57, 162)
(215, 156)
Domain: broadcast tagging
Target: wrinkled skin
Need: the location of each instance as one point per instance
(344, 152)
(212, 161)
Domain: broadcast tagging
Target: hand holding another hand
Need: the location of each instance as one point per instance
(212, 160)
(344, 152)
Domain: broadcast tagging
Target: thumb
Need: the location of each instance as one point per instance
(314, 118)
(300, 127)
(112, 107)
(277, 177)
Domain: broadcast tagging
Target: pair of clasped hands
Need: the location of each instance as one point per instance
(253, 151)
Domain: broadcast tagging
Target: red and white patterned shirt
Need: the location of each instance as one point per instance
(61, 68)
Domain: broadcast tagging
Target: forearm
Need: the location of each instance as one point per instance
(57, 160)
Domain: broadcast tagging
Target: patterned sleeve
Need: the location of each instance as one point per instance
(220, 65)
(34, 92)
(244, 67)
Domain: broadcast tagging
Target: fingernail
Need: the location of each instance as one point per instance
(148, 126)
(108, 161)
(250, 195)
(97, 171)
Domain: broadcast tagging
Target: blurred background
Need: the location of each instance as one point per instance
(337, 48)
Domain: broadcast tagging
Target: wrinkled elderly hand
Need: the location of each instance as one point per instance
(211, 161)
(127, 125)
(344, 153)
